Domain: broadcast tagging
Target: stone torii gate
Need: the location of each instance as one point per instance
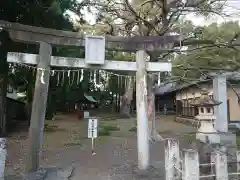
(48, 37)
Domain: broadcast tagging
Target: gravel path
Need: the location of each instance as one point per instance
(116, 157)
(114, 160)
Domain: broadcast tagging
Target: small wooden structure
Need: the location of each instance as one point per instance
(205, 106)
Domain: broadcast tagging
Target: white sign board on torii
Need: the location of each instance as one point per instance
(95, 50)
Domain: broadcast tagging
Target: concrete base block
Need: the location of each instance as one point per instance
(224, 139)
(228, 139)
(208, 138)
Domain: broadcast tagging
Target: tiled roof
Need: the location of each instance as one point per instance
(171, 87)
(205, 101)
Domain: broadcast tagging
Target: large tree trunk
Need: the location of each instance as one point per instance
(151, 109)
(3, 103)
(4, 46)
(125, 105)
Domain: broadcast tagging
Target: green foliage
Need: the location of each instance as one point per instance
(111, 128)
(220, 55)
(157, 17)
(23, 80)
(238, 139)
(189, 136)
(52, 128)
(119, 56)
(103, 132)
(49, 14)
(106, 129)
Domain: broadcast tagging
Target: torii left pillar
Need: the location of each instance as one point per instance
(36, 128)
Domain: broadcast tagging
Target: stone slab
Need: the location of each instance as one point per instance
(53, 173)
(130, 171)
(59, 173)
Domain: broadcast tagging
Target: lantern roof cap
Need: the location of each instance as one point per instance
(205, 100)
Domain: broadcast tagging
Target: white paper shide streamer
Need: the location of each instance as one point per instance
(81, 79)
(159, 79)
(42, 76)
(100, 78)
(95, 78)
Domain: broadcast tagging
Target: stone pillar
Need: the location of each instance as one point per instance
(142, 119)
(220, 94)
(36, 129)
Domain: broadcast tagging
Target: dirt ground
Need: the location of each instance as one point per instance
(65, 140)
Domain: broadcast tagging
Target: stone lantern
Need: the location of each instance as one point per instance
(205, 105)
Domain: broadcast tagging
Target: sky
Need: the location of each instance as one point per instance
(232, 7)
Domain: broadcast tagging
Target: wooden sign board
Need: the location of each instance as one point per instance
(92, 128)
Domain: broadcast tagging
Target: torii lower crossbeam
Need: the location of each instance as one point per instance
(80, 63)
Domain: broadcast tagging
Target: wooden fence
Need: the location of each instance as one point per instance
(187, 110)
(185, 165)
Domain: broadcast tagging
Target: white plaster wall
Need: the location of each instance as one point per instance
(193, 92)
(233, 103)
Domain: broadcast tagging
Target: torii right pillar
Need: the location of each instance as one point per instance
(220, 94)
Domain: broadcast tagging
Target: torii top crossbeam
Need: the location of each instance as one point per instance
(32, 34)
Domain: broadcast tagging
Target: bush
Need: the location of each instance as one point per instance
(189, 136)
(103, 132)
(111, 128)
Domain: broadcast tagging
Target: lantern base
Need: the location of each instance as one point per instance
(207, 133)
